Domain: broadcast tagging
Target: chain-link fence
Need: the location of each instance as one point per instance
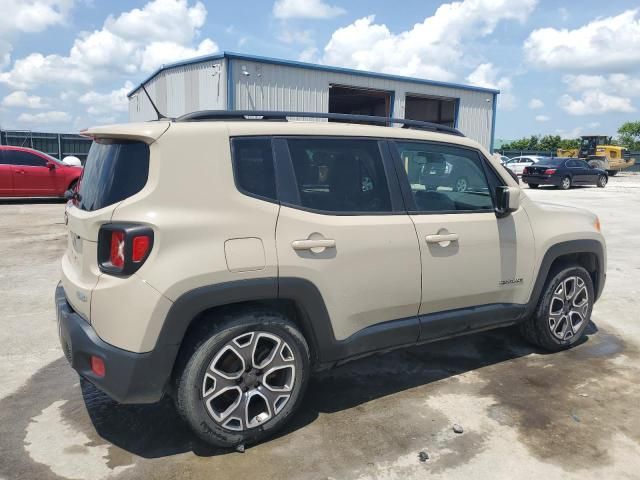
(57, 145)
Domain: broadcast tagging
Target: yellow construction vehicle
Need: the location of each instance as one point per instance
(598, 151)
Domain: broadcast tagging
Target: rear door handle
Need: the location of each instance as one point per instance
(313, 243)
(449, 237)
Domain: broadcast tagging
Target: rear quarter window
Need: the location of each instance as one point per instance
(114, 171)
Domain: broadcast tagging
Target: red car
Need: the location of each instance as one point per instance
(25, 172)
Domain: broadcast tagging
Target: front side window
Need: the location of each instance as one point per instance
(445, 178)
(17, 157)
(253, 167)
(340, 175)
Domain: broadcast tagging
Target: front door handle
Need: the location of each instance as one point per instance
(20, 171)
(448, 237)
(311, 244)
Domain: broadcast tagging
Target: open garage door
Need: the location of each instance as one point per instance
(431, 109)
(359, 101)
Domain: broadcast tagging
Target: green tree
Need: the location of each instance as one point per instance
(629, 135)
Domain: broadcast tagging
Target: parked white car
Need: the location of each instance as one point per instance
(517, 164)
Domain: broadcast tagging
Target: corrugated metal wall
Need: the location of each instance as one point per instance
(257, 85)
(183, 89)
(58, 145)
(264, 86)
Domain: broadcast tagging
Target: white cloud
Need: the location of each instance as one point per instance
(45, 117)
(305, 9)
(139, 40)
(309, 54)
(288, 35)
(105, 103)
(486, 75)
(616, 83)
(605, 44)
(594, 102)
(20, 99)
(431, 49)
(535, 103)
(158, 53)
(28, 16)
(542, 118)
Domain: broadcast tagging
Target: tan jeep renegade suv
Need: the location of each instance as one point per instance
(222, 259)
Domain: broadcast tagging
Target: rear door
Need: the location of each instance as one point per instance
(342, 226)
(469, 257)
(31, 175)
(6, 177)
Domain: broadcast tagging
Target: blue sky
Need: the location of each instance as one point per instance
(563, 67)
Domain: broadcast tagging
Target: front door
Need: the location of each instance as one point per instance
(476, 268)
(341, 228)
(31, 175)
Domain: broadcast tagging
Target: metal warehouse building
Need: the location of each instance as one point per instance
(232, 81)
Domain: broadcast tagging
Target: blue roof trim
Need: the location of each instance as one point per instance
(312, 66)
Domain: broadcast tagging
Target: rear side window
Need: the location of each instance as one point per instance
(113, 171)
(253, 167)
(340, 175)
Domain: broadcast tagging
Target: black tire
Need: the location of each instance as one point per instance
(602, 181)
(537, 329)
(72, 185)
(564, 185)
(190, 381)
(533, 185)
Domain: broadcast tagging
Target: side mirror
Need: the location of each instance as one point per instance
(507, 200)
(51, 165)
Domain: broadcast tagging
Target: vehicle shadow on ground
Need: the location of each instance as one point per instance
(153, 431)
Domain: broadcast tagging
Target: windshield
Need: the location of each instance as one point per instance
(113, 171)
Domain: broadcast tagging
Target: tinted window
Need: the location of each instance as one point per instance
(573, 163)
(445, 178)
(340, 175)
(553, 162)
(253, 166)
(113, 172)
(17, 157)
(583, 164)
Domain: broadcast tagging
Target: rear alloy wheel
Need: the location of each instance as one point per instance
(563, 312)
(533, 185)
(602, 181)
(462, 185)
(566, 183)
(245, 380)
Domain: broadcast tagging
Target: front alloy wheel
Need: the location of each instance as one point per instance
(566, 183)
(569, 308)
(563, 311)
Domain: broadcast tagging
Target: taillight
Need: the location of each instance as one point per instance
(525, 171)
(141, 245)
(116, 256)
(550, 171)
(123, 247)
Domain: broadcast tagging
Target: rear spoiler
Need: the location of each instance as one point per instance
(147, 132)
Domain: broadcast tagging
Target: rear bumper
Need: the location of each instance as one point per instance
(129, 377)
(542, 179)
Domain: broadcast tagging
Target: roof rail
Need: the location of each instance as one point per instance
(210, 115)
